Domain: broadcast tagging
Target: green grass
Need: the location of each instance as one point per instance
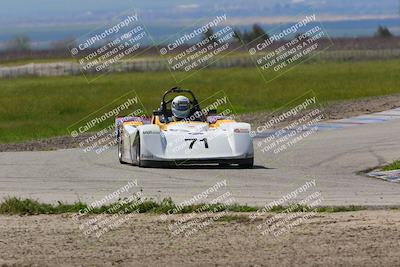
(395, 165)
(339, 208)
(15, 206)
(32, 108)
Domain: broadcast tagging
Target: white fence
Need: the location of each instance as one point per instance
(158, 64)
(70, 68)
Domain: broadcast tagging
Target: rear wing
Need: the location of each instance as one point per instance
(214, 119)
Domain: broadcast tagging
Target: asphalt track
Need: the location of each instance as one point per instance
(332, 156)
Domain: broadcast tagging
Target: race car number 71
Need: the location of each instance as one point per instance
(194, 140)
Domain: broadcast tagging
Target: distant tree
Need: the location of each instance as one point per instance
(63, 44)
(304, 37)
(237, 35)
(207, 34)
(248, 36)
(383, 32)
(258, 32)
(19, 43)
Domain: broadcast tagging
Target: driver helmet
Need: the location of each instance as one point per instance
(180, 107)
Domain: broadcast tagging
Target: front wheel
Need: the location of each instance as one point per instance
(120, 148)
(247, 164)
(137, 152)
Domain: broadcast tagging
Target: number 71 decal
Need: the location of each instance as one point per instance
(194, 140)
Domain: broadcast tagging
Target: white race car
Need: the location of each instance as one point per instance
(199, 139)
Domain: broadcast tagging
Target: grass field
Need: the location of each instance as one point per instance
(33, 108)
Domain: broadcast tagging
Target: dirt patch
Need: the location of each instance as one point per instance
(53, 143)
(333, 110)
(351, 108)
(364, 238)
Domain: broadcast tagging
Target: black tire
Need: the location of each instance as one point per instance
(137, 156)
(248, 164)
(120, 148)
